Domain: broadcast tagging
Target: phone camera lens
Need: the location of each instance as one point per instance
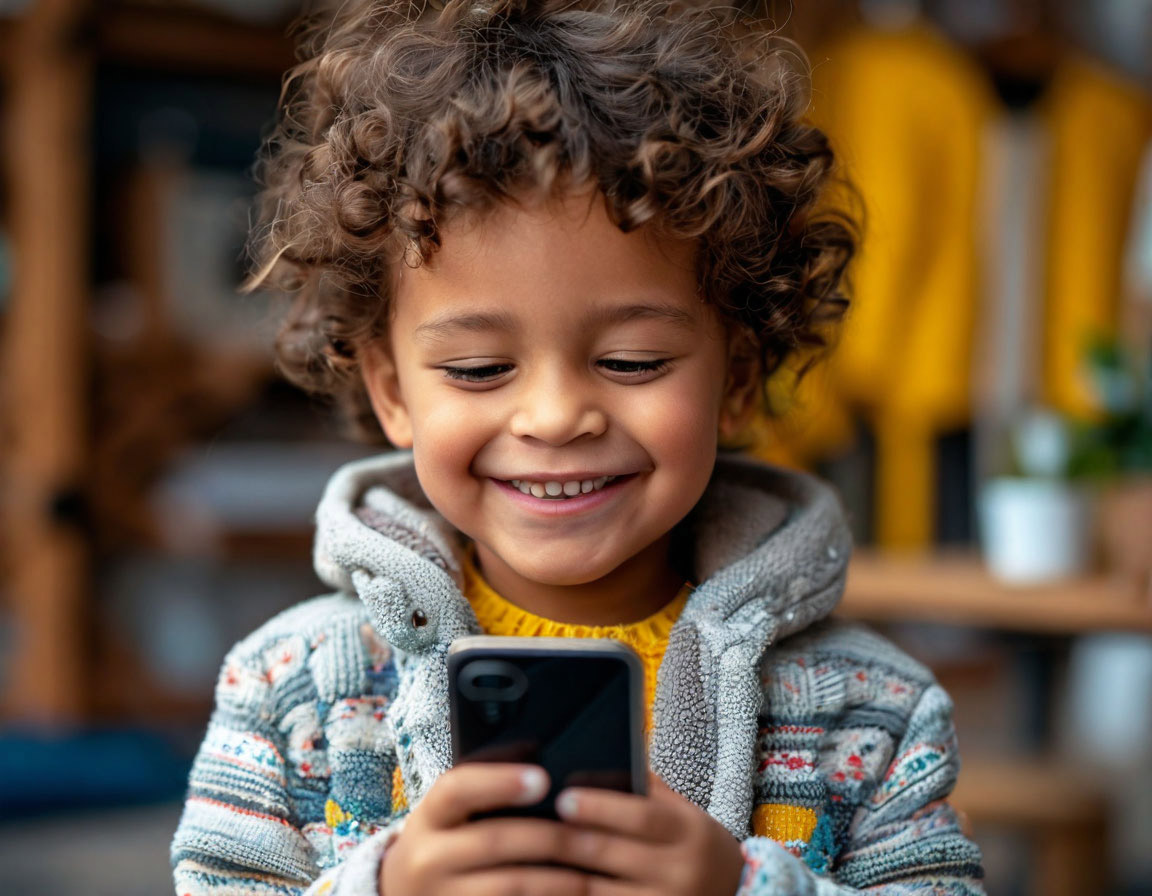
(491, 711)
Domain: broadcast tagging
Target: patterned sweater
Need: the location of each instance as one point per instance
(331, 719)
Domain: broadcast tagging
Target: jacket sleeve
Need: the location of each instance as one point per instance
(905, 839)
(238, 832)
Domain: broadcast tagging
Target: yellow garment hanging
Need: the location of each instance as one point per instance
(906, 111)
(1100, 125)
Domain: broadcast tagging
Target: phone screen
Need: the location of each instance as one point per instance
(571, 708)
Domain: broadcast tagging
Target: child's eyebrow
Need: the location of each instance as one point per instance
(482, 321)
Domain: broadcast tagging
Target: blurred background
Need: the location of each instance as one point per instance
(987, 417)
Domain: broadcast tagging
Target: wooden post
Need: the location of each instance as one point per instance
(45, 361)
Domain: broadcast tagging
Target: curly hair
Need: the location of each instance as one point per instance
(688, 120)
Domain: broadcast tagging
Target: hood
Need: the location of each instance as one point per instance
(768, 542)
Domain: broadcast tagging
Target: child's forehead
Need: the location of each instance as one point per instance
(451, 322)
(554, 237)
(560, 271)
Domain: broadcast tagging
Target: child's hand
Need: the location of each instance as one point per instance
(659, 843)
(440, 851)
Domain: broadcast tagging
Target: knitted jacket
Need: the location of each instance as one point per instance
(332, 718)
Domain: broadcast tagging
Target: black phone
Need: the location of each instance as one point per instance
(574, 706)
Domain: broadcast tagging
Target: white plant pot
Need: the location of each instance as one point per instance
(1035, 530)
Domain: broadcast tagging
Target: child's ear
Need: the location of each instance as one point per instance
(738, 404)
(381, 379)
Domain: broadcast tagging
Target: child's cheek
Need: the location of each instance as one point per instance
(450, 434)
(453, 422)
(680, 420)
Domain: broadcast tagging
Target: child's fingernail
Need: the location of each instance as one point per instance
(533, 785)
(567, 804)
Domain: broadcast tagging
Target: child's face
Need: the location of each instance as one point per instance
(541, 344)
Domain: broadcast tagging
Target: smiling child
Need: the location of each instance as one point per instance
(553, 252)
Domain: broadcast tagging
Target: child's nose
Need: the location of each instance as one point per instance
(557, 409)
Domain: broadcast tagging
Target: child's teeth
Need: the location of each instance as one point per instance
(554, 489)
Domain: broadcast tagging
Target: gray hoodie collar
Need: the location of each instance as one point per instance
(765, 538)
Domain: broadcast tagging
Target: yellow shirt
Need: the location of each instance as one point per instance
(648, 637)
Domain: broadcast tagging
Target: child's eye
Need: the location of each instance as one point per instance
(634, 368)
(476, 374)
(616, 365)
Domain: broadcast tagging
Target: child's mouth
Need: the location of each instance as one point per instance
(561, 491)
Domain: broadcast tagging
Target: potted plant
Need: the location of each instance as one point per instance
(1035, 519)
(1074, 490)
(1115, 453)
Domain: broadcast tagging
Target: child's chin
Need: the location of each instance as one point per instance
(560, 574)
(560, 577)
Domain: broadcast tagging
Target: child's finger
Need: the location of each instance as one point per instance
(506, 841)
(642, 817)
(613, 854)
(479, 787)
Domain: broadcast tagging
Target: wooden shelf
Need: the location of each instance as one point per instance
(1064, 811)
(240, 544)
(187, 40)
(45, 126)
(175, 39)
(956, 588)
(1019, 791)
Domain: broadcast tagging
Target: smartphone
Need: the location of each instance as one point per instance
(574, 706)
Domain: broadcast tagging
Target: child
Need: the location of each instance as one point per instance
(556, 251)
